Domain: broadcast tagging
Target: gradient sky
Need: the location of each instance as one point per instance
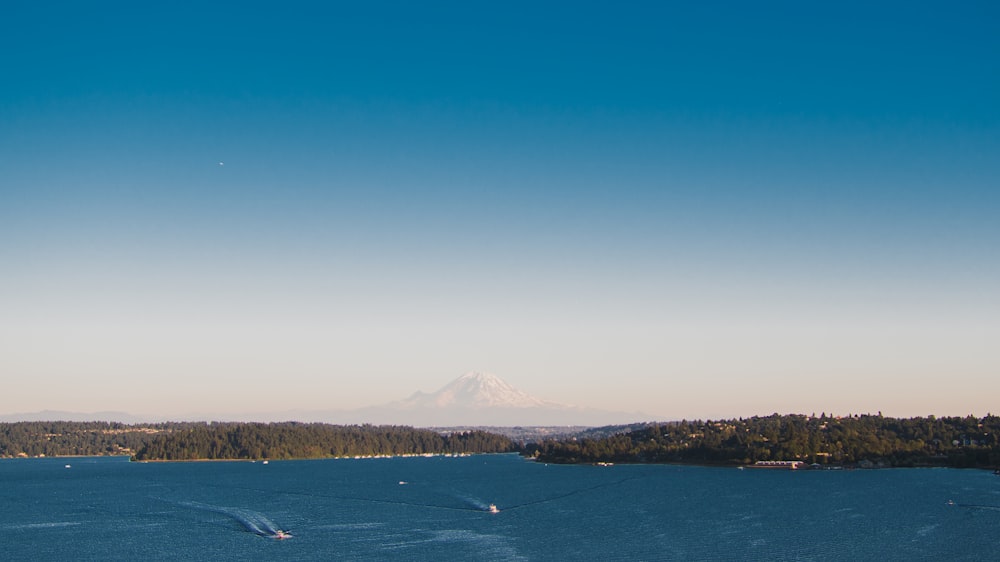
(710, 210)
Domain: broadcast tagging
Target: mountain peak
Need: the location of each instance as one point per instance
(483, 399)
(479, 376)
(475, 390)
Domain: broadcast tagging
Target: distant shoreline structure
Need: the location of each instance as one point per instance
(779, 465)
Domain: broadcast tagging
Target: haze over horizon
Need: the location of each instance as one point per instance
(703, 211)
(472, 399)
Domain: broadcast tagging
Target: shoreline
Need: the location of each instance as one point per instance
(752, 468)
(345, 457)
(598, 464)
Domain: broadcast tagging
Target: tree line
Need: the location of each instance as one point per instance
(218, 441)
(825, 440)
(312, 440)
(66, 438)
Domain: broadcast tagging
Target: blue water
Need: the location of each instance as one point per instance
(109, 508)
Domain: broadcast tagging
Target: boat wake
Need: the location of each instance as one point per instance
(250, 520)
(33, 526)
(469, 504)
(473, 503)
(977, 506)
(478, 505)
(257, 524)
(572, 493)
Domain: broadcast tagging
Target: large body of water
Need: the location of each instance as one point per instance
(435, 509)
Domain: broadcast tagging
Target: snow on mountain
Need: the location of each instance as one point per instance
(473, 399)
(486, 400)
(475, 390)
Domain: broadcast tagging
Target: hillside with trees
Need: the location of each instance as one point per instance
(216, 441)
(299, 440)
(824, 440)
(66, 438)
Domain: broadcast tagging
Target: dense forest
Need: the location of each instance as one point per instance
(196, 440)
(64, 438)
(314, 440)
(867, 440)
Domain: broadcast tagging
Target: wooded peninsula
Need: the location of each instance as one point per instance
(174, 441)
(861, 440)
(823, 441)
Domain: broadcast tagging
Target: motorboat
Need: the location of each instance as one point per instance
(280, 535)
(493, 508)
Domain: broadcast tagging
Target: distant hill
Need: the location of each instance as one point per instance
(59, 415)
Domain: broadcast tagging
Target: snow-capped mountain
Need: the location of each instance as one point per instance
(472, 400)
(483, 399)
(475, 390)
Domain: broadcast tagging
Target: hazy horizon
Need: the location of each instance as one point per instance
(692, 211)
(363, 414)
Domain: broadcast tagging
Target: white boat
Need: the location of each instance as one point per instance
(280, 535)
(493, 508)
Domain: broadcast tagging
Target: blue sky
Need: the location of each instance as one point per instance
(689, 211)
